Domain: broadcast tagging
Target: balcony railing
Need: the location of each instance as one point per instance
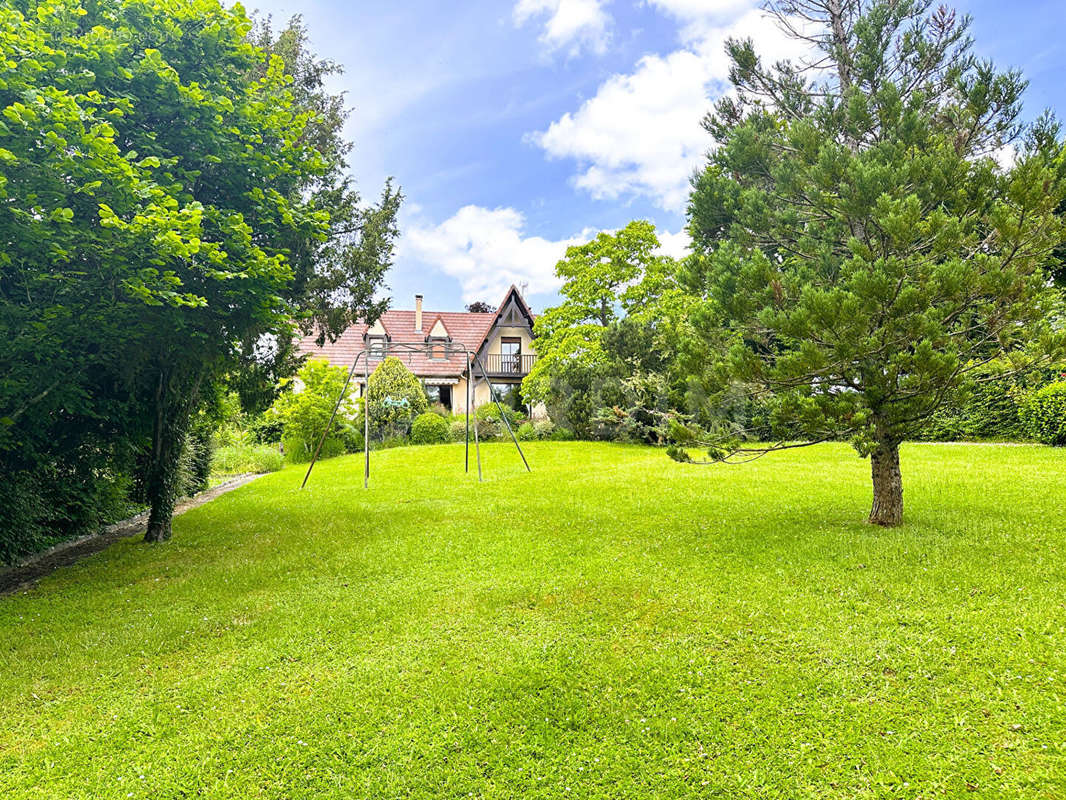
(504, 364)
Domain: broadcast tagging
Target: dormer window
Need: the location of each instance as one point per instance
(438, 339)
(376, 339)
(375, 347)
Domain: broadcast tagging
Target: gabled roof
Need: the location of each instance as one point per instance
(512, 294)
(438, 330)
(463, 327)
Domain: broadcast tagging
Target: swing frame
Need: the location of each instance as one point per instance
(387, 348)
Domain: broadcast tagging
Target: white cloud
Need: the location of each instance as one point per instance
(572, 24)
(486, 251)
(675, 245)
(640, 134)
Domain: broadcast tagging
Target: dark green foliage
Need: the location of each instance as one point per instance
(1044, 414)
(526, 432)
(861, 252)
(55, 502)
(351, 433)
(171, 193)
(627, 394)
(430, 428)
(265, 429)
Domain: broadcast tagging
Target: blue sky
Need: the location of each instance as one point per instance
(517, 127)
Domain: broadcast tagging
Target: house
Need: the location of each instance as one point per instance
(502, 340)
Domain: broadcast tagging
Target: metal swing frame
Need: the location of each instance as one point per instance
(386, 349)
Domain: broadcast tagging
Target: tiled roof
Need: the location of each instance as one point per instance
(463, 326)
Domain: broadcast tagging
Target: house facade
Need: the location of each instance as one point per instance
(502, 340)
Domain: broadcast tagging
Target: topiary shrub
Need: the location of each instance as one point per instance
(396, 397)
(429, 428)
(1044, 414)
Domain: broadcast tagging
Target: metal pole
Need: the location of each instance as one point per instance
(503, 416)
(469, 376)
(332, 417)
(366, 422)
(477, 443)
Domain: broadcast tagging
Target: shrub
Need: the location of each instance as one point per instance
(238, 459)
(526, 432)
(489, 422)
(491, 413)
(299, 451)
(265, 429)
(396, 397)
(429, 428)
(351, 435)
(305, 414)
(562, 435)
(194, 465)
(543, 428)
(457, 428)
(1044, 414)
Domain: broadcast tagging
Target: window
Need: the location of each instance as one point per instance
(437, 351)
(375, 347)
(511, 354)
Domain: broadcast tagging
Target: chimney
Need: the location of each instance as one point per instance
(418, 313)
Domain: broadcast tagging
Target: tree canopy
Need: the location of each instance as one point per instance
(175, 197)
(863, 253)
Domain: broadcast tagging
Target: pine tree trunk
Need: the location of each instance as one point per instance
(887, 508)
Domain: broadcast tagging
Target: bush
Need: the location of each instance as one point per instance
(457, 428)
(238, 459)
(299, 451)
(490, 412)
(429, 428)
(351, 434)
(1044, 414)
(265, 429)
(562, 435)
(543, 429)
(194, 466)
(396, 397)
(305, 414)
(526, 432)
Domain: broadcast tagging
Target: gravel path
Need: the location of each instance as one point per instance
(29, 571)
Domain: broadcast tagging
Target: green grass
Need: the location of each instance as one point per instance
(612, 625)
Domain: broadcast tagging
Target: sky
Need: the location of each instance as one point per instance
(516, 128)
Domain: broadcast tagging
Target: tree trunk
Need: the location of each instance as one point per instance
(887, 509)
(172, 413)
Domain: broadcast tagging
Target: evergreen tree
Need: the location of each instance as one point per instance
(863, 254)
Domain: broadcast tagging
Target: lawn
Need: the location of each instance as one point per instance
(611, 625)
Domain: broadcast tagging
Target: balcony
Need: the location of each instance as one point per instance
(509, 366)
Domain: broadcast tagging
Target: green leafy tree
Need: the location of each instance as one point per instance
(863, 252)
(305, 411)
(176, 196)
(394, 397)
(612, 277)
